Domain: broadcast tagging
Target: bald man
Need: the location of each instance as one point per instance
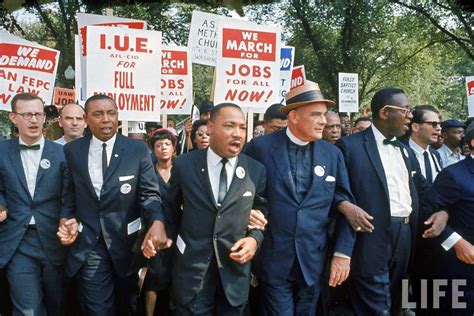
(332, 129)
(71, 119)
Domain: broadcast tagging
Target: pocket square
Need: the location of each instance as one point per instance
(125, 178)
(330, 179)
(248, 193)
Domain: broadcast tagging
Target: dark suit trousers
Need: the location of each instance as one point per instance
(293, 297)
(102, 291)
(211, 299)
(381, 294)
(36, 285)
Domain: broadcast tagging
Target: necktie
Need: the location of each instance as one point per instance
(222, 183)
(391, 142)
(104, 159)
(26, 147)
(429, 175)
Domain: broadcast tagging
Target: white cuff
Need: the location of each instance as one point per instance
(340, 254)
(450, 241)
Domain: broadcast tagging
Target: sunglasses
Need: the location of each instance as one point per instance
(434, 124)
(201, 133)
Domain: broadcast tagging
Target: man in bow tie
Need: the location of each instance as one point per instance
(33, 177)
(386, 181)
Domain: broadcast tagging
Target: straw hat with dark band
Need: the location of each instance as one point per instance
(304, 95)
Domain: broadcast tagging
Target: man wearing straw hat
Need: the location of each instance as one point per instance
(306, 176)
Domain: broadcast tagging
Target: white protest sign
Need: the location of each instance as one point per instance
(83, 20)
(298, 77)
(136, 127)
(287, 57)
(125, 64)
(248, 65)
(176, 81)
(348, 92)
(77, 68)
(25, 67)
(203, 39)
(470, 95)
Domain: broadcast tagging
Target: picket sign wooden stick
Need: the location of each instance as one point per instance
(249, 124)
(165, 120)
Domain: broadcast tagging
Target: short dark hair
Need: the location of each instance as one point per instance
(161, 134)
(342, 114)
(196, 125)
(216, 109)
(420, 110)
(98, 97)
(382, 98)
(362, 119)
(273, 112)
(24, 97)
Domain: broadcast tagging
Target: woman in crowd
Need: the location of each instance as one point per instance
(199, 134)
(157, 280)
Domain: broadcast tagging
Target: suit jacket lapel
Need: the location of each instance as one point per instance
(45, 155)
(374, 157)
(203, 175)
(83, 162)
(116, 156)
(237, 182)
(282, 162)
(17, 165)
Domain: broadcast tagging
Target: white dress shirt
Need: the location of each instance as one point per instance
(30, 159)
(61, 141)
(419, 153)
(448, 157)
(95, 161)
(396, 174)
(214, 166)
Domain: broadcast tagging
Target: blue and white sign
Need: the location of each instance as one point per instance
(287, 57)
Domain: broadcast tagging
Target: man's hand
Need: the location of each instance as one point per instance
(340, 268)
(243, 250)
(67, 231)
(438, 222)
(155, 240)
(357, 217)
(257, 220)
(464, 251)
(3, 213)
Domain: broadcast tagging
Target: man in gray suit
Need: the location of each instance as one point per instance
(217, 188)
(33, 177)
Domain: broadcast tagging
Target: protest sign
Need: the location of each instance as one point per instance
(298, 77)
(63, 96)
(470, 95)
(25, 67)
(125, 65)
(286, 66)
(248, 65)
(176, 81)
(136, 127)
(348, 92)
(84, 20)
(202, 40)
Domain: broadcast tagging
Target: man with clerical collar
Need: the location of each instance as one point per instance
(305, 178)
(33, 178)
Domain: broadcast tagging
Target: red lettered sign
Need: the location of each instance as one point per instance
(247, 44)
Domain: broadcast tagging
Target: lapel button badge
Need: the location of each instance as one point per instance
(45, 163)
(240, 172)
(319, 171)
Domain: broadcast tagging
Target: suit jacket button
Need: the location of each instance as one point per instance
(299, 210)
(218, 216)
(208, 259)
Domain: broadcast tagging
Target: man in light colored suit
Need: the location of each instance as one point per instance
(33, 177)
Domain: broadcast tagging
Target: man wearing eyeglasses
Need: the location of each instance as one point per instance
(33, 177)
(386, 181)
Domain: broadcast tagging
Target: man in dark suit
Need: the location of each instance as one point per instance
(454, 188)
(306, 176)
(386, 182)
(33, 176)
(217, 188)
(113, 192)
